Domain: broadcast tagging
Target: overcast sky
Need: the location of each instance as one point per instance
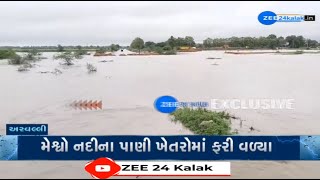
(103, 23)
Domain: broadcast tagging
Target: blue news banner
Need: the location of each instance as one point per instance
(27, 129)
(160, 147)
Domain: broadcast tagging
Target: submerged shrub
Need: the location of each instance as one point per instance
(203, 122)
(16, 60)
(91, 68)
(68, 57)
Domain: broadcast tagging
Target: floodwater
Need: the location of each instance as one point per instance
(129, 85)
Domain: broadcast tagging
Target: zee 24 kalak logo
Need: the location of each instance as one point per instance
(269, 18)
(102, 168)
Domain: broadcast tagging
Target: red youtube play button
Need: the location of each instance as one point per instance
(102, 168)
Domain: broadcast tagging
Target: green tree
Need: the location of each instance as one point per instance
(149, 44)
(301, 42)
(295, 41)
(172, 42)
(208, 43)
(273, 43)
(235, 42)
(263, 42)
(180, 42)
(137, 43)
(272, 36)
(282, 41)
(114, 47)
(68, 57)
(270, 41)
(158, 49)
(312, 43)
(161, 44)
(167, 48)
(219, 42)
(292, 40)
(60, 48)
(248, 42)
(189, 41)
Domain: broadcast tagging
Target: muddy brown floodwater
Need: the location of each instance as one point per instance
(128, 87)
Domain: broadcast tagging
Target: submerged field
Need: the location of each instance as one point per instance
(129, 85)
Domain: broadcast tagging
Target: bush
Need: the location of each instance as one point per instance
(68, 57)
(203, 122)
(29, 57)
(158, 50)
(167, 48)
(22, 69)
(25, 67)
(170, 52)
(16, 60)
(79, 54)
(7, 54)
(32, 56)
(91, 68)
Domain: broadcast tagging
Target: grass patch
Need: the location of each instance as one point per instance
(7, 54)
(204, 122)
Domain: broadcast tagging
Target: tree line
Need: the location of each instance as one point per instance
(269, 42)
(172, 44)
(169, 46)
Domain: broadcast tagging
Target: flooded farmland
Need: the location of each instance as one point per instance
(129, 85)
